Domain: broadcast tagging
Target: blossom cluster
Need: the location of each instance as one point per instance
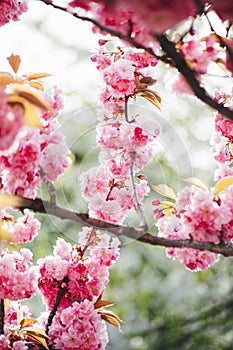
(9, 340)
(77, 325)
(36, 154)
(10, 10)
(84, 277)
(222, 139)
(198, 215)
(108, 188)
(18, 280)
(21, 230)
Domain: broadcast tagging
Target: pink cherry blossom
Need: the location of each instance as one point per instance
(37, 154)
(17, 277)
(200, 217)
(22, 230)
(84, 277)
(78, 327)
(11, 10)
(4, 342)
(11, 121)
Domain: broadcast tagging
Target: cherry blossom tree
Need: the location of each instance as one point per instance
(195, 224)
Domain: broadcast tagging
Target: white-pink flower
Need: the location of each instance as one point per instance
(78, 327)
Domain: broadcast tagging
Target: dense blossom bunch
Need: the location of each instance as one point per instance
(200, 216)
(10, 10)
(108, 188)
(221, 141)
(83, 277)
(37, 154)
(18, 280)
(22, 230)
(9, 340)
(78, 327)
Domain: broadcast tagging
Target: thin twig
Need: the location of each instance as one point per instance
(2, 316)
(52, 192)
(126, 111)
(142, 218)
(60, 294)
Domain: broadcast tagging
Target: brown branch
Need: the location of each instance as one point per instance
(40, 206)
(61, 292)
(2, 316)
(170, 49)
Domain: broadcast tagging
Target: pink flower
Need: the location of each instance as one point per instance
(24, 229)
(4, 342)
(78, 327)
(11, 10)
(36, 154)
(200, 217)
(11, 120)
(17, 278)
(84, 277)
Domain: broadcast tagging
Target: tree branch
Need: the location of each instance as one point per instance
(2, 316)
(172, 57)
(170, 49)
(60, 294)
(39, 206)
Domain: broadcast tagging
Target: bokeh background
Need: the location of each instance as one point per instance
(163, 305)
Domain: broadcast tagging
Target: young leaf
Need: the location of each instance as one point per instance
(35, 76)
(26, 321)
(222, 184)
(196, 182)
(165, 191)
(14, 61)
(31, 117)
(11, 200)
(151, 96)
(167, 208)
(36, 85)
(103, 303)
(32, 96)
(6, 78)
(4, 235)
(147, 81)
(38, 338)
(111, 318)
(38, 331)
(100, 303)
